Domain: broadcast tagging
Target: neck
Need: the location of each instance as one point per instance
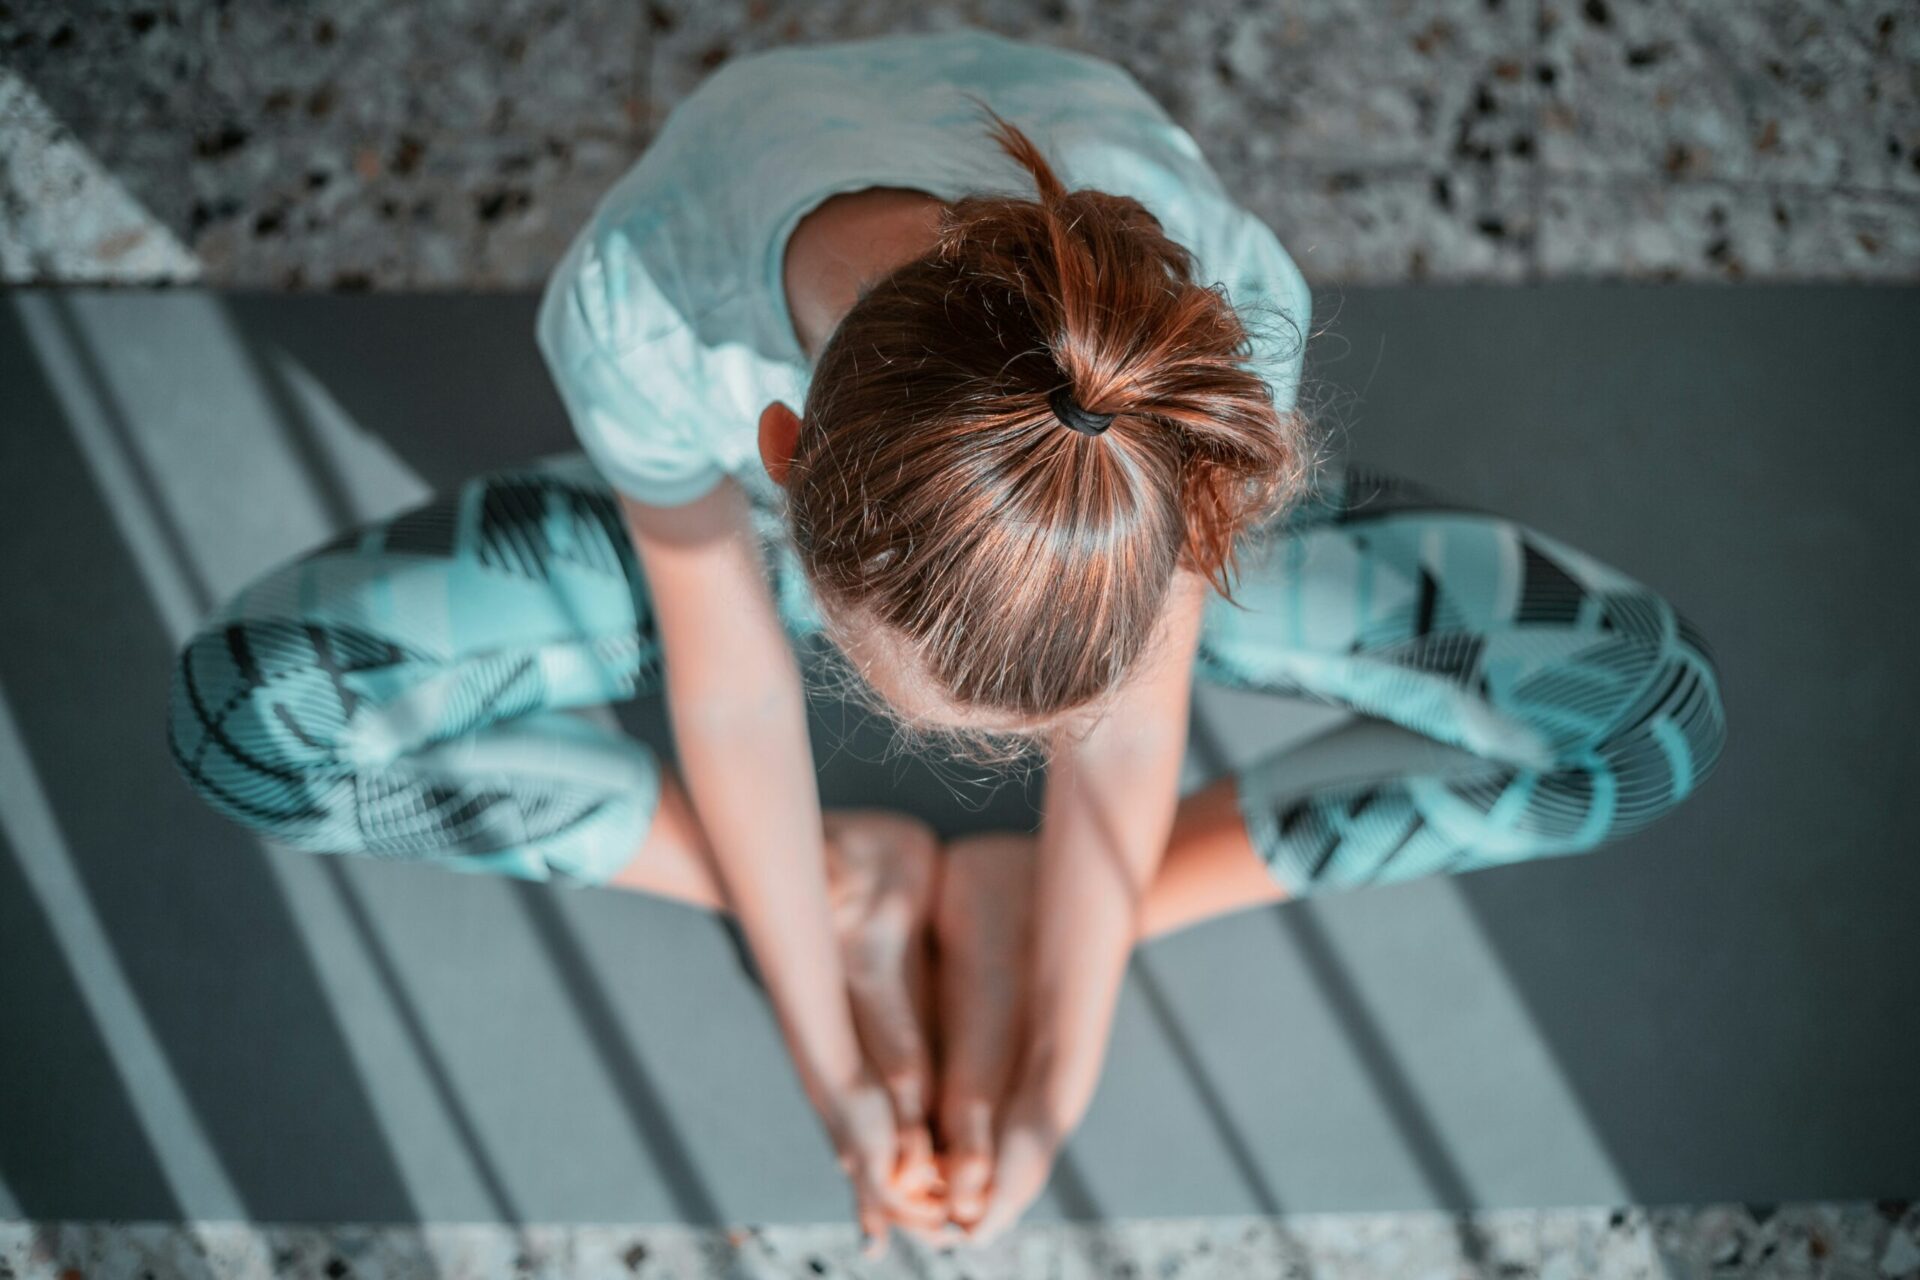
(848, 242)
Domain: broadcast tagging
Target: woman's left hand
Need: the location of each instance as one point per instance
(1028, 1138)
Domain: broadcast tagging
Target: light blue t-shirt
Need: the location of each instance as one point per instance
(665, 325)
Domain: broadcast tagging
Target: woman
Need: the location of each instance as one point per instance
(1015, 429)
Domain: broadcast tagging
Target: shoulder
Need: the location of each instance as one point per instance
(607, 292)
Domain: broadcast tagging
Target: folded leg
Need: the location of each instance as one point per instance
(402, 691)
(1546, 703)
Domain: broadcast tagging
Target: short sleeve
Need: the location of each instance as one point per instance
(641, 427)
(1272, 298)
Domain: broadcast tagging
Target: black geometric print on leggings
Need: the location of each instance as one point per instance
(515, 533)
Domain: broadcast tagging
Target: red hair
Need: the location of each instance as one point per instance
(934, 490)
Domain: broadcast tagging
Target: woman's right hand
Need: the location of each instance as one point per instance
(864, 1128)
(739, 713)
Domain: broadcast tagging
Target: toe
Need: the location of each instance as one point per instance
(967, 1177)
(967, 1128)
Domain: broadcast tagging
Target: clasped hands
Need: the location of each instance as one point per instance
(957, 1189)
(948, 1130)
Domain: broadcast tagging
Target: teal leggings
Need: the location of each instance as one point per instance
(404, 691)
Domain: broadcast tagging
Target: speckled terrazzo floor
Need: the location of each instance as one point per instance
(1811, 1241)
(367, 145)
(361, 144)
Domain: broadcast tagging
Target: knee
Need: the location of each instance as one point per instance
(1671, 742)
(1693, 706)
(251, 733)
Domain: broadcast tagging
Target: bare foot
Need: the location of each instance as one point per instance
(882, 873)
(983, 926)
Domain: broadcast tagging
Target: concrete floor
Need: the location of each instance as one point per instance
(1718, 1010)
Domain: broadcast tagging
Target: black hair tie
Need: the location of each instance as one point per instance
(1085, 421)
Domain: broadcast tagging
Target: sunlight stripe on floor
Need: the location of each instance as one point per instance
(173, 1130)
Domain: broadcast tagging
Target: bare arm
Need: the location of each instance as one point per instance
(1107, 816)
(739, 721)
(1108, 813)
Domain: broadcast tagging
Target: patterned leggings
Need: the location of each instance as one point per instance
(402, 691)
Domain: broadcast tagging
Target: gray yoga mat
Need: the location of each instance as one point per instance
(1718, 1009)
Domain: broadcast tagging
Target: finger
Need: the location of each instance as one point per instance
(969, 1160)
(910, 1211)
(969, 1179)
(866, 1162)
(872, 1217)
(903, 1208)
(1004, 1208)
(1018, 1176)
(917, 1171)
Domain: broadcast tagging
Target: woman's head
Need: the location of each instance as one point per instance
(989, 568)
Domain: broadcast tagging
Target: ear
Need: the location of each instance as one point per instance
(779, 437)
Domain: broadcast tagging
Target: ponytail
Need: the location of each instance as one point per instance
(941, 487)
